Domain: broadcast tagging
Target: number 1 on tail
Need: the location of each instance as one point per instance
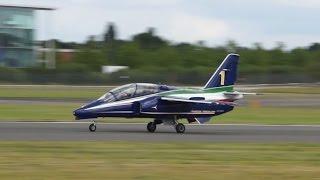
(222, 77)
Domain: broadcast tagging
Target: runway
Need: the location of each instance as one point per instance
(72, 131)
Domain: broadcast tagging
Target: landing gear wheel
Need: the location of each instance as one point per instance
(180, 128)
(92, 127)
(151, 127)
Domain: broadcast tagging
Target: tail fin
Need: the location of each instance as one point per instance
(226, 74)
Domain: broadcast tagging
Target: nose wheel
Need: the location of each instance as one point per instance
(93, 127)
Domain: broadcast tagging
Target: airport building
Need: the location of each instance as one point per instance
(17, 35)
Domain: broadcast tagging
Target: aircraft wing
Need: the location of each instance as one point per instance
(171, 99)
(226, 103)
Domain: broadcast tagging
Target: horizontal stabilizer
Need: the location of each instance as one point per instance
(236, 93)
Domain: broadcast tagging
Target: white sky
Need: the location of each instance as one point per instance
(294, 22)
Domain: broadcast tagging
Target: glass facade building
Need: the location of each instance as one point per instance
(16, 37)
(17, 32)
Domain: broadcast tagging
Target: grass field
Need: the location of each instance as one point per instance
(146, 160)
(74, 92)
(263, 115)
(126, 160)
(52, 92)
(63, 111)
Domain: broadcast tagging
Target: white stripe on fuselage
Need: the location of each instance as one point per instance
(212, 97)
(207, 96)
(194, 113)
(118, 103)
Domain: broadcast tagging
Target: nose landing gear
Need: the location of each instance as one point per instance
(93, 127)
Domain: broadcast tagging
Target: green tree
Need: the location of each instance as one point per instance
(148, 40)
(110, 41)
(110, 34)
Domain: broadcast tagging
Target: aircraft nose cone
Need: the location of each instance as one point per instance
(83, 113)
(78, 113)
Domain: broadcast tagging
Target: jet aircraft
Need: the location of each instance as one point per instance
(168, 104)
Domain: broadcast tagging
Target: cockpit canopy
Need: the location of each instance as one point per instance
(133, 90)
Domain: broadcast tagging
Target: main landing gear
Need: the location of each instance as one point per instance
(93, 127)
(151, 126)
(180, 128)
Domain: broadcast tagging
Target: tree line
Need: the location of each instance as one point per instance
(152, 58)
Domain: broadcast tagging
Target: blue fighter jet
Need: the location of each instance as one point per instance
(168, 104)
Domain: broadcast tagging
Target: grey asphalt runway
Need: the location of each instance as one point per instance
(71, 131)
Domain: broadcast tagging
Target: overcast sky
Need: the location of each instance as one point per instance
(294, 22)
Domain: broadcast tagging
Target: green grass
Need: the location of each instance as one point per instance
(63, 111)
(37, 112)
(52, 92)
(73, 92)
(132, 160)
(258, 115)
